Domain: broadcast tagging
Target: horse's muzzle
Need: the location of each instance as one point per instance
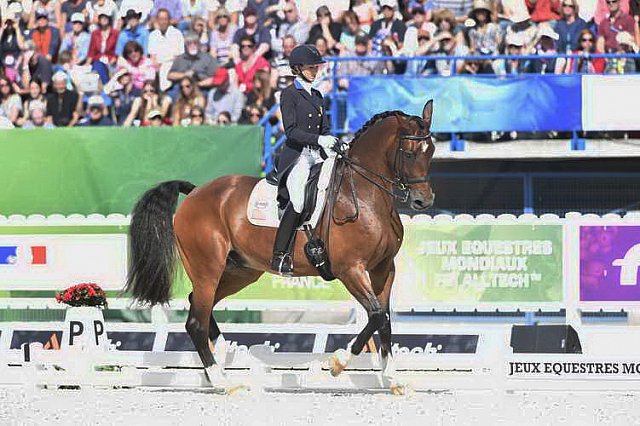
(419, 203)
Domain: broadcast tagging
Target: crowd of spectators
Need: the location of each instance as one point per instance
(71, 63)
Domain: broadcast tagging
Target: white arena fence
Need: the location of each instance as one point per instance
(461, 283)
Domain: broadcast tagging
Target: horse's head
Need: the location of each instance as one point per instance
(411, 158)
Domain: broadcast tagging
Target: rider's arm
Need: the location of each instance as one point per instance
(291, 128)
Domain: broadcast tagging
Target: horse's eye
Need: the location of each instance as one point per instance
(409, 155)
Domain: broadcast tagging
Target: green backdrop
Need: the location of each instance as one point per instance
(105, 170)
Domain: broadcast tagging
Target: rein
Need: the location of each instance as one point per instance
(401, 182)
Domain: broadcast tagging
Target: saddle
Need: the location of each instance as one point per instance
(263, 208)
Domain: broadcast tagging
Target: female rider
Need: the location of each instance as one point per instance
(308, 139)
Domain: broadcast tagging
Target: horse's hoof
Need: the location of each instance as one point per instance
(338, 362)
(215, 375)
(237, 389)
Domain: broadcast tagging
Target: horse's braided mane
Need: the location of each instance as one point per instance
(381, 116)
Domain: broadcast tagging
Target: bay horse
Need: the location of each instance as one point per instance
(222, 252)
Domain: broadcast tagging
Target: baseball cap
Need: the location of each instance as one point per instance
(95, 100)
(59, 76)
(546, 31)
(249, 11)
(42, 13)
(77, 17)
(220, 76)
(391, 4)
(514, 39)
(131, 13)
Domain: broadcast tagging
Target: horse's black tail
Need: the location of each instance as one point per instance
(152, 251)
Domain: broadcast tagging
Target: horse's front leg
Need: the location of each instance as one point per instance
(358, 283)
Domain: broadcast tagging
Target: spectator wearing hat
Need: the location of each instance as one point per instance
(144, 7)
(102, 46)
(96, 116)
(140, 66)
(68, 10)
(76, 41)
(515, 46)
(123, 95)
(96, 8)
(609, 28)
(223, 97)
(63, 104)
(189, 97)
(154, 118)
(192, 63)
(45, 36)
(35, 67)
(545, 48)
(165, 44)
(150, 99)
(37, 117)
(626, 45)
(325, 27)
(222, 36)
(387, 26)
(459, 8)
(260, 36)
(292, 26)
(174, 7)
(485, 36)
(50, 7)
(133, 32)
(248, 64)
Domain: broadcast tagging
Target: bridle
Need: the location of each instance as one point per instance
(401, 183)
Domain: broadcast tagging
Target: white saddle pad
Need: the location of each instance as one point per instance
(262, 209)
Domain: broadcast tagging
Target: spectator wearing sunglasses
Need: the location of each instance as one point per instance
(259, 36)
(326, 28)
(586, 64)
(615, 23)
(189, 98)
(224, 119)
(292, 26)
(569, 27)
(197, 116)
(248, 64)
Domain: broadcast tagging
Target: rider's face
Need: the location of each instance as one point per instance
(309, 71)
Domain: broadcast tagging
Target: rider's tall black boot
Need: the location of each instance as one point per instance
(281, 262)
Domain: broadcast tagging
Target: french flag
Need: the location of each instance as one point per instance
(9, 255)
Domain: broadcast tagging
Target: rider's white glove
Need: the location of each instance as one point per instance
(327, 142)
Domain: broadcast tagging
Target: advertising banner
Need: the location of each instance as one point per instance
(456, 264)
(609, 261)
(44, 261)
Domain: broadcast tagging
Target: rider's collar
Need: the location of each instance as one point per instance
(299, 83)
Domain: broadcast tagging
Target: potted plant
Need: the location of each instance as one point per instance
(84, 322)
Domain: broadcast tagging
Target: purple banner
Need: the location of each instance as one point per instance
(609, 261)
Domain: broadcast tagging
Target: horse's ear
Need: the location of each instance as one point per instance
(427, 113)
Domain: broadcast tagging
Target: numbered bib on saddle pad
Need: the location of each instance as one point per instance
(262, 209)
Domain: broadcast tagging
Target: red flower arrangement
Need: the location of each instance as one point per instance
(85, 294)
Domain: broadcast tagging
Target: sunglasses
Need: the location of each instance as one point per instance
(590, 40)
(149, 91)
(612, 1)
(567, 5)
(246, 46)
(196, 115)
(288, 11)
(322, 15)
(254, 114)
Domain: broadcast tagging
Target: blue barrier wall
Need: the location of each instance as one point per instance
(473, 104)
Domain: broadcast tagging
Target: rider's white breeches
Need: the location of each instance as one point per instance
(298, 176)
